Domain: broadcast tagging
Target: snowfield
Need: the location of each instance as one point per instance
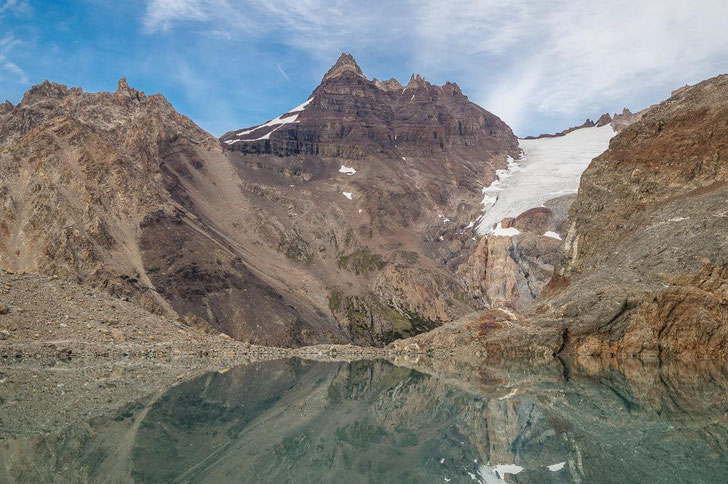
(548, 168)
(283, 119)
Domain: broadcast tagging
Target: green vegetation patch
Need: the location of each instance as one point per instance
(361, 261)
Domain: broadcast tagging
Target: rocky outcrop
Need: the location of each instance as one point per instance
(511, 271)
(586, 124)
(626, 118)
(618, 122)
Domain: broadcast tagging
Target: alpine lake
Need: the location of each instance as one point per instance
(301, 421)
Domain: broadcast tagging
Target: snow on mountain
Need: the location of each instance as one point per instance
(548, 168)
(286, 118)
(347, 170)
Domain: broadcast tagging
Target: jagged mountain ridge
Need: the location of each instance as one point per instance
(349, 116)
(118, 191)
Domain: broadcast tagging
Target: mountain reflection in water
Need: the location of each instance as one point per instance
(371, 421)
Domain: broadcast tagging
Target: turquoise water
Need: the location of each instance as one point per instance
(370, 421)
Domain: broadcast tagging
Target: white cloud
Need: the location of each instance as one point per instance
(283, 72)
(14, 6)
(161, 15)
(19, 73)
(7, 43)
(522, 60)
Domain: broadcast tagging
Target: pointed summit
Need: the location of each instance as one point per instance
(122, 85)
(123, 91)
(390, 84)
(346, 63)
(416, 81)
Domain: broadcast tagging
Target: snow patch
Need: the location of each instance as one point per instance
(510, 394)
(348, 195)
(556, 467)
(501, 232)
(553, 235)
(495, 474)
(504, 469)
(548, 167)
(347, 170)
(301, 107)
(281, 120)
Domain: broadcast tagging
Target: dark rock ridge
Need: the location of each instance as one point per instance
(603, 120)
(255, 238)
(349, 116)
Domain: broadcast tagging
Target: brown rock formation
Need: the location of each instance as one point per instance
(646, 251)
(604, 119)
(586, 124)
(621, 121)
(118, 191)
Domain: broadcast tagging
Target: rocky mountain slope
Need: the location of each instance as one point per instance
(345, 224)
(372, 186)
(118, 191)
(645, 268)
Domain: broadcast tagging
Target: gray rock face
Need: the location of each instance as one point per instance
(511, 272)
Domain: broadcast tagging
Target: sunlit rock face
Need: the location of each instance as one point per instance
(645, 254)
(374, 422)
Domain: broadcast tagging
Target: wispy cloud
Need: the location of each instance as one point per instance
(19, 73)
(522, 60)
(283, 73)
(161, 15)
(14, 6)
(7, 43)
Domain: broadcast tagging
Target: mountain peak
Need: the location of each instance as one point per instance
(390, 84)
(122, 85)
(416, 81)
(345, 63)
(5, 107)
(123, 91)
(44, 90)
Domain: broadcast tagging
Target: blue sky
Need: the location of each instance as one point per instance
(227, 64)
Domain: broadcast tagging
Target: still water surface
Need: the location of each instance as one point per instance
(370, 421)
